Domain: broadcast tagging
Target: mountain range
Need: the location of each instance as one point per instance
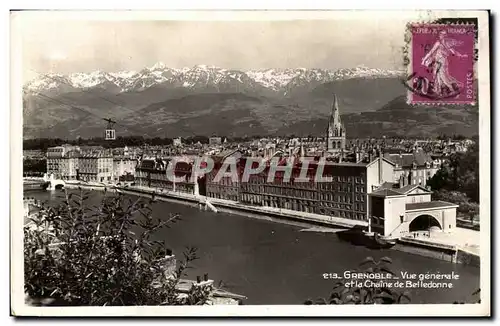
(160, 101)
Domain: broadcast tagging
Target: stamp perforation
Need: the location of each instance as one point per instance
(439, 81)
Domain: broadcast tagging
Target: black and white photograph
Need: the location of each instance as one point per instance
(250, 163)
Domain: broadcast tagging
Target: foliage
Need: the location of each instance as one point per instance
(104, 255)
(34, 165)
(466, 207)
(44, 143)
(460, 174)
(366, 295)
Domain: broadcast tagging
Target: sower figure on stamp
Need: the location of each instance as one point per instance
(437, 60)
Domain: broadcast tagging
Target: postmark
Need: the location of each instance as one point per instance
(441, 64)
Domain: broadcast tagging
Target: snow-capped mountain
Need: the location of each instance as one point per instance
(202, 76)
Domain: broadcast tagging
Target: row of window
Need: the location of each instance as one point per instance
(356, 207)
(226, 181)
(301, 206)
(219, 195)
(313, 194)
(159, 176)
(328, 199)
(335, 179)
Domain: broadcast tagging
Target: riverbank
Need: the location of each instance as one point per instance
(273, 262)
(227, 205)
(443, 248)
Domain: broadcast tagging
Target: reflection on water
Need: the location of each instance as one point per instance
(273, 263)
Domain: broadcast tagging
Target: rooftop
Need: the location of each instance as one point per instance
(386, 192)
(429, 204)
(407, 159)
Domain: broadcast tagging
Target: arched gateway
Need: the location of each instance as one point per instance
(424, 223)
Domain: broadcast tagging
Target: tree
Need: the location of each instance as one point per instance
(104, 256)
(34, 166)
(440, 179)
(466, 207)
(366, 295)
(460, 174)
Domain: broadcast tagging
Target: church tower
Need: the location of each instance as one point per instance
(335, 135)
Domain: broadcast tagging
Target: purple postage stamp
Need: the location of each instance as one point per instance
(441, 64)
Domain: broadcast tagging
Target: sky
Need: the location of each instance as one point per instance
(66, 45)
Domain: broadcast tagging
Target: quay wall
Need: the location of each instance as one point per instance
(263, 213)
(468, 258)
(440, 251)
(414, 246)
(427, 249)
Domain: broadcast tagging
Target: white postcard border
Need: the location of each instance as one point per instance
(17, 276)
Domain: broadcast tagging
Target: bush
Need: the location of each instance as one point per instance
(104, 256)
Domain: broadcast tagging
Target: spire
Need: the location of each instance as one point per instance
(335, 110)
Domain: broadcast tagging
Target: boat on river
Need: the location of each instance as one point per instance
(358, 236)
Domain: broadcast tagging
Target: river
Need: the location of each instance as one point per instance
(276, 263)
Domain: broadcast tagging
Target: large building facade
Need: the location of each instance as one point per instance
(153, 173)
(80, 163)
(346, 196)
(62, 161)
(96, 167)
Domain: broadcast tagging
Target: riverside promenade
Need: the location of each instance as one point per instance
(224, 205)
(232, 206)
(459, 246)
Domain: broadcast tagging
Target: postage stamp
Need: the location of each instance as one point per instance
(441, 67)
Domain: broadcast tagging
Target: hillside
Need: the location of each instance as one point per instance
(397, 118)
(163, 102)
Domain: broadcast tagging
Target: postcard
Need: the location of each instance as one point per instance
(250, 163)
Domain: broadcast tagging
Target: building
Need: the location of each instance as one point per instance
(91, 164)
(69, 165)
(227, 187)
(346, 196)
(215, 140)
(414, 168)
(335, 134)
(153, 173)
(123, 166)
(96, 167)
(398, 211)
(62, 161)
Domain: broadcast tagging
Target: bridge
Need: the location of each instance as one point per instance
(53, 182)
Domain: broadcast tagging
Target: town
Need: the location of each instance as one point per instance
(379, 182)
